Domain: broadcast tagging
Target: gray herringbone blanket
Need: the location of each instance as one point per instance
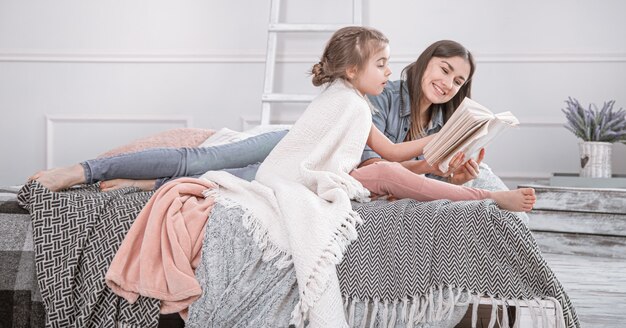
(242, 290)
(408, 252)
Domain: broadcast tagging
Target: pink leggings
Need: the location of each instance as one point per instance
(390, 178)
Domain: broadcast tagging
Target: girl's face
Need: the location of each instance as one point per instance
(442, 79)
(371, 79)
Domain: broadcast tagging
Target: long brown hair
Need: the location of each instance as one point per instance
(413, 74)
(348, 47)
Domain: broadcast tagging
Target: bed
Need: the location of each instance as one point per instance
(415, 263)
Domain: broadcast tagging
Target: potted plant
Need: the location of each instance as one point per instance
(598, 129)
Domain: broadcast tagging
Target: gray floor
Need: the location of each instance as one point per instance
(596, 286)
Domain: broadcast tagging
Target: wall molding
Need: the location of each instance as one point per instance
(51, 120)
(155, 58)
(258, 57)
(251, 121)
(535, 123)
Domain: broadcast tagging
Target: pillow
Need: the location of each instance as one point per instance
(260, 129)
(224, 136)
(173, 138)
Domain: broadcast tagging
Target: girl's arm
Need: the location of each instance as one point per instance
(395, 152)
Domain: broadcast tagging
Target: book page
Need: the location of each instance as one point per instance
(450, 146)
(463, 120)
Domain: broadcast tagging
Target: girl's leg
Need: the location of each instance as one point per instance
(389, 178)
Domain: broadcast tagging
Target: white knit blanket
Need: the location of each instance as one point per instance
(298, 208)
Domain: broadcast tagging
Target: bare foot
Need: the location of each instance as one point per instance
(108, 185)
(60, 178)
(518, 200)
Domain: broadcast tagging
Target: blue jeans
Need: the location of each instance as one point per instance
(241, 158)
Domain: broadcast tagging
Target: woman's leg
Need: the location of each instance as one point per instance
(247, 173)
(179, 162)
(389, 178)
(163, 162)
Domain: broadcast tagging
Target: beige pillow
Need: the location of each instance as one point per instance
(173, 138)
(224, 136)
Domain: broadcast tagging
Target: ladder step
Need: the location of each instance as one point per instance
(282, 97)
(286, 27)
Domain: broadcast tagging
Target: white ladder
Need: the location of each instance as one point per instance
(274, 28)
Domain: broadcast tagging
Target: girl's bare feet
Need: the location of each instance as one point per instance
(60, 178)
(518, 200)
(108, 185)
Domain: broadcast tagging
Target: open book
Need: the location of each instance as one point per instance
(470, 128)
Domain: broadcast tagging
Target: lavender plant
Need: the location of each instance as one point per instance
(593, 124)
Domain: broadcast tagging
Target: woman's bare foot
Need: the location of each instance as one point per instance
(60, 178)
(108, 185)
(518, 200)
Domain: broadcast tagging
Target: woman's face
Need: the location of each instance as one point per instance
(442, 79)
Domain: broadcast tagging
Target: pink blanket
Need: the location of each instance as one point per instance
(161, 251)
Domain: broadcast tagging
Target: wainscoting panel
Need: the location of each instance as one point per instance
(71, 139)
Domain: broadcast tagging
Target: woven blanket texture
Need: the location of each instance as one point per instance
(407, 251)
(243, 290)
(75, 236)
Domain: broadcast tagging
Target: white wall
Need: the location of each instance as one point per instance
(81, 77)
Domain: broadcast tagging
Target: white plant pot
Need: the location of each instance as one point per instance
(595, 159)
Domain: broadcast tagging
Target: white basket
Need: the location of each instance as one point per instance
(595, 159)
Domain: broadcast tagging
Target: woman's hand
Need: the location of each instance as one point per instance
(455, 163)
(468, 171)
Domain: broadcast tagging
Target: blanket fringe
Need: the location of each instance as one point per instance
(438, 305)
(494, 312)
(505, 315)
(517, 310)
(364, 319)
(121, 324)
(560, 318)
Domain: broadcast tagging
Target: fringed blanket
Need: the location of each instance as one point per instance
(76, 235)
(298, 208)
(409, 252)
(242, 290)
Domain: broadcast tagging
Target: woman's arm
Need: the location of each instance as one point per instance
(395, 152)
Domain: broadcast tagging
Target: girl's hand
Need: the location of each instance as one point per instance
(468, 171)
